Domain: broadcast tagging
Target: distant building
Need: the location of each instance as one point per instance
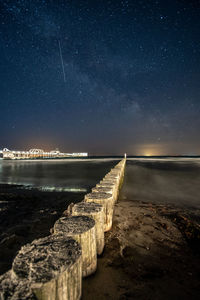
(38, 153)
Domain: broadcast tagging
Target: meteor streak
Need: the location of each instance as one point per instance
(61, 58)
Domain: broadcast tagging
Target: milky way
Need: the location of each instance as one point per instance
(131, 82)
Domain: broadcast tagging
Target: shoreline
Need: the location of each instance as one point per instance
(149, 253)
(26, 215)
(147, 250)
(84, 231)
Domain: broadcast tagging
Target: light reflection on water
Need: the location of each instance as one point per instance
(55, 175)
(59, 189)
(170, 180)
(47, 188)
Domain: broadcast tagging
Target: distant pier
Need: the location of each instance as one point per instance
(38, 153)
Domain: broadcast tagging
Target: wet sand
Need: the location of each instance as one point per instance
(152, 251)
(149, 254)
(27, 214)
(165, 181)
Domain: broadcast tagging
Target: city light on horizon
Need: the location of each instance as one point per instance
(108, 81)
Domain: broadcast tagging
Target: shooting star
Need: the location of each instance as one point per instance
(61, 58)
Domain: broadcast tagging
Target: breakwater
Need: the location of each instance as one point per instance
(53, 267)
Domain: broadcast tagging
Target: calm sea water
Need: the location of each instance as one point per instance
(27, 214)
(55, 175)
(174, 181)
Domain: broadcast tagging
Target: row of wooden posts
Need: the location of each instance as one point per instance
(52, 268)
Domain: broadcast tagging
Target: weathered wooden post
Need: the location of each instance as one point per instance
(114, 178)
(48, 269)
(110, 181)
(95, 211)
(82, 229)
(109, 184)
(51, 268)
(13, 288)
(113, 182)
(116, 172)
(115, 175)
(103, 189)
(107, 201)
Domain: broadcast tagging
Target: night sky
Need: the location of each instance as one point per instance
(131, 78)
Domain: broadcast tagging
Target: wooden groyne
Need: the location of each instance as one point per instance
(52, 268)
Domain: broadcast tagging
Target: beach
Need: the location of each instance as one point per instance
(36, 193)
(147, 255)
(152, 250)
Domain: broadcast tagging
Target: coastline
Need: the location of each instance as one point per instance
(28, 214)
(149, 253)
(148, 249)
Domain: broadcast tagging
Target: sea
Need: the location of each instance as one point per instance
(56, 175)
(36, 193)
(173, 181)
(160, 180)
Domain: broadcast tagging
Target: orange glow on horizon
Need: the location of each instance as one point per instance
(148, 154)
(151, 149)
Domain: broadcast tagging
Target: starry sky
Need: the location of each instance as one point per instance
(104, 77)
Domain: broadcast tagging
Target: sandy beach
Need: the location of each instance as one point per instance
(152, 250)
(83, 86)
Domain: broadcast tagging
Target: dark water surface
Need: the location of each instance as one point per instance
(174, 181)
(55, 175)
(29, 211)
